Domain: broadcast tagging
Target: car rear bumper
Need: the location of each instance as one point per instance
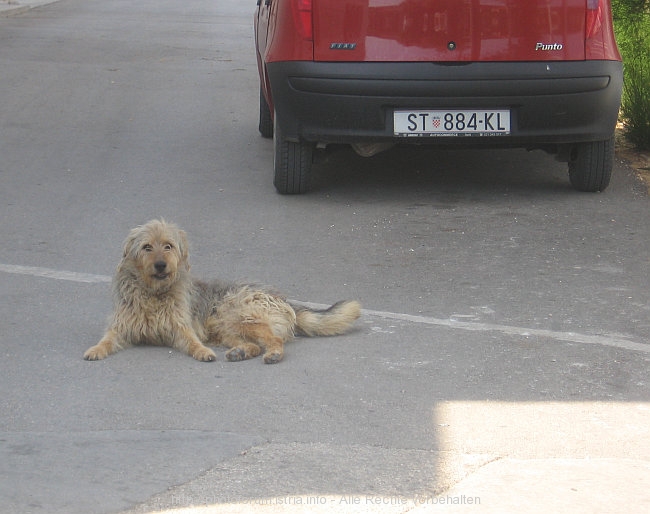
(550, 102)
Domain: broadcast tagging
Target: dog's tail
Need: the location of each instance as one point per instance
(329, 322)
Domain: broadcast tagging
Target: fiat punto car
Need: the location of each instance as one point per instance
(537, 74)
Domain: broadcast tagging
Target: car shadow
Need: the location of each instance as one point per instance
(420, 170)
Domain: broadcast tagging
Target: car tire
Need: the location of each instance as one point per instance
(266, 120)
(590, 167)
(291, 163)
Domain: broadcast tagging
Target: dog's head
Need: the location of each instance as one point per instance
(158, 252)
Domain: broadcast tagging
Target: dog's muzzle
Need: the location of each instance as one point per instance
(160, 267)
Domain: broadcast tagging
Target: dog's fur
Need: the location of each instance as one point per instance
(156, 301)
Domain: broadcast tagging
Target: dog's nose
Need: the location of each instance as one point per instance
(160, 266)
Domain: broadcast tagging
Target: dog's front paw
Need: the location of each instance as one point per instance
(96, 353)
(204, 354)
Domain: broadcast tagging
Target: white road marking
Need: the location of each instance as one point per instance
(55, 274)
(473, 326)
(571, 337)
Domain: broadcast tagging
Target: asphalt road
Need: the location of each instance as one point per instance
(506, 330)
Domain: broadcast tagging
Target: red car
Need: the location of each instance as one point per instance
(538, 74)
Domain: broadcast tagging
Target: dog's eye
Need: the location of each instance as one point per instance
(147, 248)
(168, 247)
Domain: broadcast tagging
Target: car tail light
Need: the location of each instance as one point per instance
(292, 33)
(302, 13)
(599, 32)
(594, 17)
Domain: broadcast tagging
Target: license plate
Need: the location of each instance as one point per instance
(451, 123)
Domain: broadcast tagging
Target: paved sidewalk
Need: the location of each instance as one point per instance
(583, 458)
(537, 486)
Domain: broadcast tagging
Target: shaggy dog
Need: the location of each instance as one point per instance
(156, 301)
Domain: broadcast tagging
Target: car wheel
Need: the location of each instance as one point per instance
(266, 120)
(590, 167)
(291, 163)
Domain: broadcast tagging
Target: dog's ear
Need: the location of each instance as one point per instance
(183, 248)
(129, 242)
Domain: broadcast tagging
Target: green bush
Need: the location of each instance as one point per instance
(632, 26)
